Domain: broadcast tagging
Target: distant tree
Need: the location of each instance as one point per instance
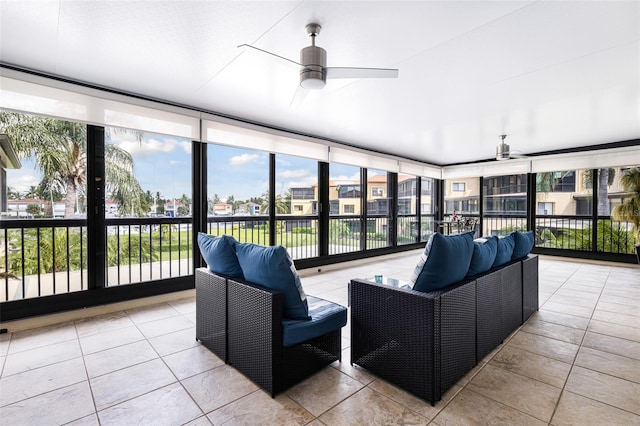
(50, 195)
(281, 205)
(629, 210)
(184, 208)
(33, 209)
(547, 181)
(231, 200)
(216, 198)
(32, 192)
(12, 194)
(605, 180)
(59, 149)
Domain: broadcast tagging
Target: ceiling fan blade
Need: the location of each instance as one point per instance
(350, 72)
(281, 59)
(299, 96)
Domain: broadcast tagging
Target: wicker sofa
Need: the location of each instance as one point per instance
(424, 342)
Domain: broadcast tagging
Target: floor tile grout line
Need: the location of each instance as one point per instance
(86, 372)
(509, 406)
(367, 385)
(177, 378)
(573, 363)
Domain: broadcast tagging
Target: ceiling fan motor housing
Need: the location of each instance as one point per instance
(314, 74)
(502, 151)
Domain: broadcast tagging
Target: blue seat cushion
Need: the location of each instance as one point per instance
(484, 254)
(325, 317)
(524, 243)
(445, 261)
(220, 254)
(506, 245)
(272, 267)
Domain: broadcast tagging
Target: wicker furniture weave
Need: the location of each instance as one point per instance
(211, 312)
(529, 286)
(253, 321)
(425, 342)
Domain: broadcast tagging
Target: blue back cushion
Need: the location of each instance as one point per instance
(484, 254)
(505, 250)
(220, 254)
(524, 243)
(272, 267)
(445, 261)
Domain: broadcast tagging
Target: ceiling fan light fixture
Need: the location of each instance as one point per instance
(311, 80)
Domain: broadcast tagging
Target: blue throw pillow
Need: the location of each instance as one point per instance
(445, 261)
(484, 254)
(273, 268)
(505, 250)
(220, 254)
(524, 243)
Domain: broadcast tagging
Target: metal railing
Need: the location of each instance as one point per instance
(576, 233)
(503, 224)
(299, 234)
(147, 249)
(410, 233)
(345, 231)
(41, 257)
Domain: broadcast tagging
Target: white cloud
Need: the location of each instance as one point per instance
(355, 177)
(240, 160)
(151, 146)
(21, 183)
(186, 147)
(293, 174)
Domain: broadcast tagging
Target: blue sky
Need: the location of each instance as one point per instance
(163, 164)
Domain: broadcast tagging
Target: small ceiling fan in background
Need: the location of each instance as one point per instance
(313, 66)
(503, 152)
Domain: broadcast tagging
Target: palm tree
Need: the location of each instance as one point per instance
(605, 180)
(12, 194)
(629, 210)
(547, 181)
(59, 149)
(32, 192)
(281, 204)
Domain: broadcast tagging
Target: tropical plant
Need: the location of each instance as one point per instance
(32, 192)
(547, 181)
(605, 180)
(123, 251)
(629, 209)
(59, 149)
(339, 229)
(59, 250)
(33, 209)
(184, 208)
(12, 194)
(282, 207)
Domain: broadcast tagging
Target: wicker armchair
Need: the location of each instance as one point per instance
(253, 338)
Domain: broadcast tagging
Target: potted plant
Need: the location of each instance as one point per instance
(629, 210)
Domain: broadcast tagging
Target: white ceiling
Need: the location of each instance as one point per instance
(549, 74)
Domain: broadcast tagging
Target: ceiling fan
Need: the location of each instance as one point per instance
(313, 64)
(503, 151)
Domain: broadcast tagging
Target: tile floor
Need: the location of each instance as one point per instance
(576, 361)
